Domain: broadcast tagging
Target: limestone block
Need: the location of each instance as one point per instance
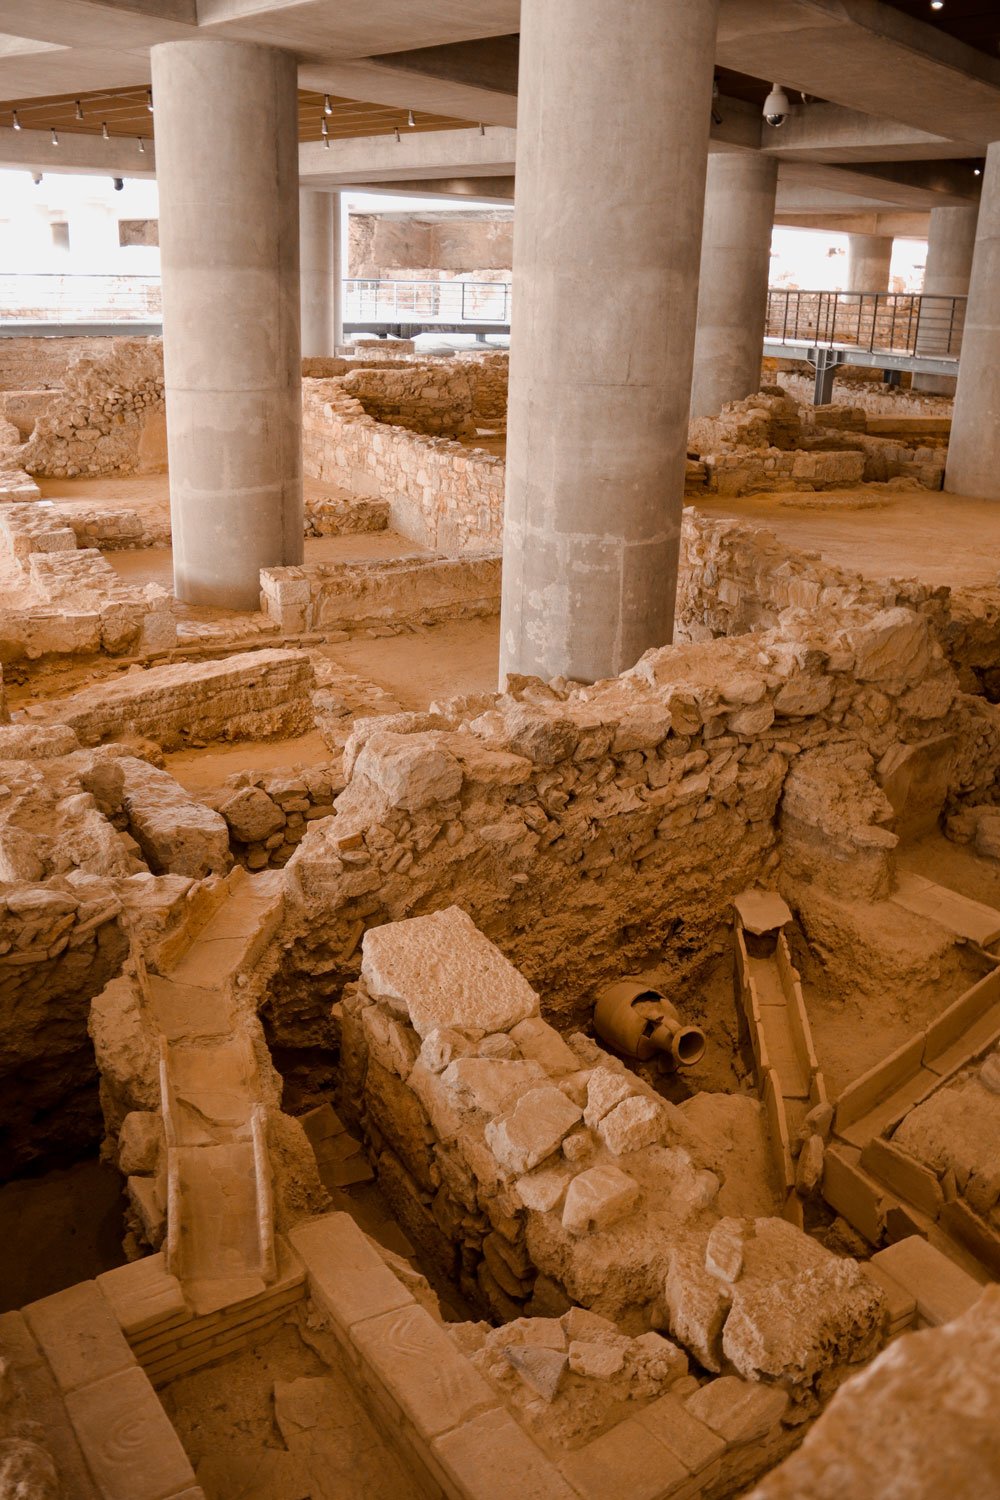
(596, 1361)
(79, 1335)
(541, 1369)
(532, 1130)
(130, 1447)
(688, 1438)
(176, 834)
(893, 646)
(736, 1409)
(252, 815)
(140, 1142)
(347, 1277)
(415, 1359)
(629, 1460)
(441, 972)
(605, 1090)
(411, 771)
(697, 1304)
(543, 1190)
(936, 1392)
(540, 1041)
(490, 1085)
(632, 1124)
(469, 1455)
(598, 1198)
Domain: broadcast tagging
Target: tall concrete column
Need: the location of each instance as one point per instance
(227, 172)
(613, 118)
(732, 289)
(974, 450)
(951, 240)
(868, 259)
(322, 272)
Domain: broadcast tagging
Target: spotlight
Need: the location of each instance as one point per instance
(977, 171)
(118, 183)
(55, 137)
(149, 100)
(323, 130)
(409, 118)
(15, 122)
(142, 145)
(482, 128)
(327, 106)
(79, 110)
(937, 4)
(396, 133)
(105, 133)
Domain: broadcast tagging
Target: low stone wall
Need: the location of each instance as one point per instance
(743, 473)
(107, 419)
(440, 494)
(489, 374)
(354, 595)
(256, 695)
(267, 814)
(60, 942)
(31, 364)
(435, 399)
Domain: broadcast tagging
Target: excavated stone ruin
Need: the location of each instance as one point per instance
(302, 930)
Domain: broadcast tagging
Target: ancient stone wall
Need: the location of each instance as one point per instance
(387, 245)
(544, 807)
(352, 595)
(489, 387)
(109, 417)
(432, 399)
(442, 495)
(31, 364)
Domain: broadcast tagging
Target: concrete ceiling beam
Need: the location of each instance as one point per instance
(868, 57)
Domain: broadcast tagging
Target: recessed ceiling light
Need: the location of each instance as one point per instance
(977, 171)
(937, 4)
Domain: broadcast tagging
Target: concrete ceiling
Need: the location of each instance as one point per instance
(898, 110)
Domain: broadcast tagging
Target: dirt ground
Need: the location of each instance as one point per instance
(924, 534)
(59, 1228)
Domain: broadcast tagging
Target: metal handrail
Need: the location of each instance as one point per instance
(898, 323)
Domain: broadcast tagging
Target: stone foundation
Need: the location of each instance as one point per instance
(337, 596)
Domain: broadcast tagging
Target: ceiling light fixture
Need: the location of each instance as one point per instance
(937, 4)
(79, 110)
(323, 129)
(326, 141)
(396, 133)
(55, 137)
(15, 122)
(142, 145)
(105, 133)
(482, 128)
(327, 106)
(409, 119)
(149, 100)
(977, 171)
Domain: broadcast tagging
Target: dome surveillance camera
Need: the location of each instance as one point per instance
(776, 106)
(119, 183)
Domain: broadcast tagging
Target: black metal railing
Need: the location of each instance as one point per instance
(897, 323)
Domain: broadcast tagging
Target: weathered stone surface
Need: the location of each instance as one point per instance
(251, 815)
(176, 834)
(540, 1369)
(598, 1198)
(918, 1423)
(605, 1089)
(490, 1084)
(632, 1124)
(532, 1130)
(737, 1410)
(442, 972)
(411, 773)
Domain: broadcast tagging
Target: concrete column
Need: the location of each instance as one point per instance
(227, 172)
(322, 272)
(613, 117)
(951, 240)
(732, 290)
(868, 259)
(974, 450)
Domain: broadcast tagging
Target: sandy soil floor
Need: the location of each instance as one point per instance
(62, 1227)
(280, 1422)
(439, 661)
(923, 534)
(155, 564)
